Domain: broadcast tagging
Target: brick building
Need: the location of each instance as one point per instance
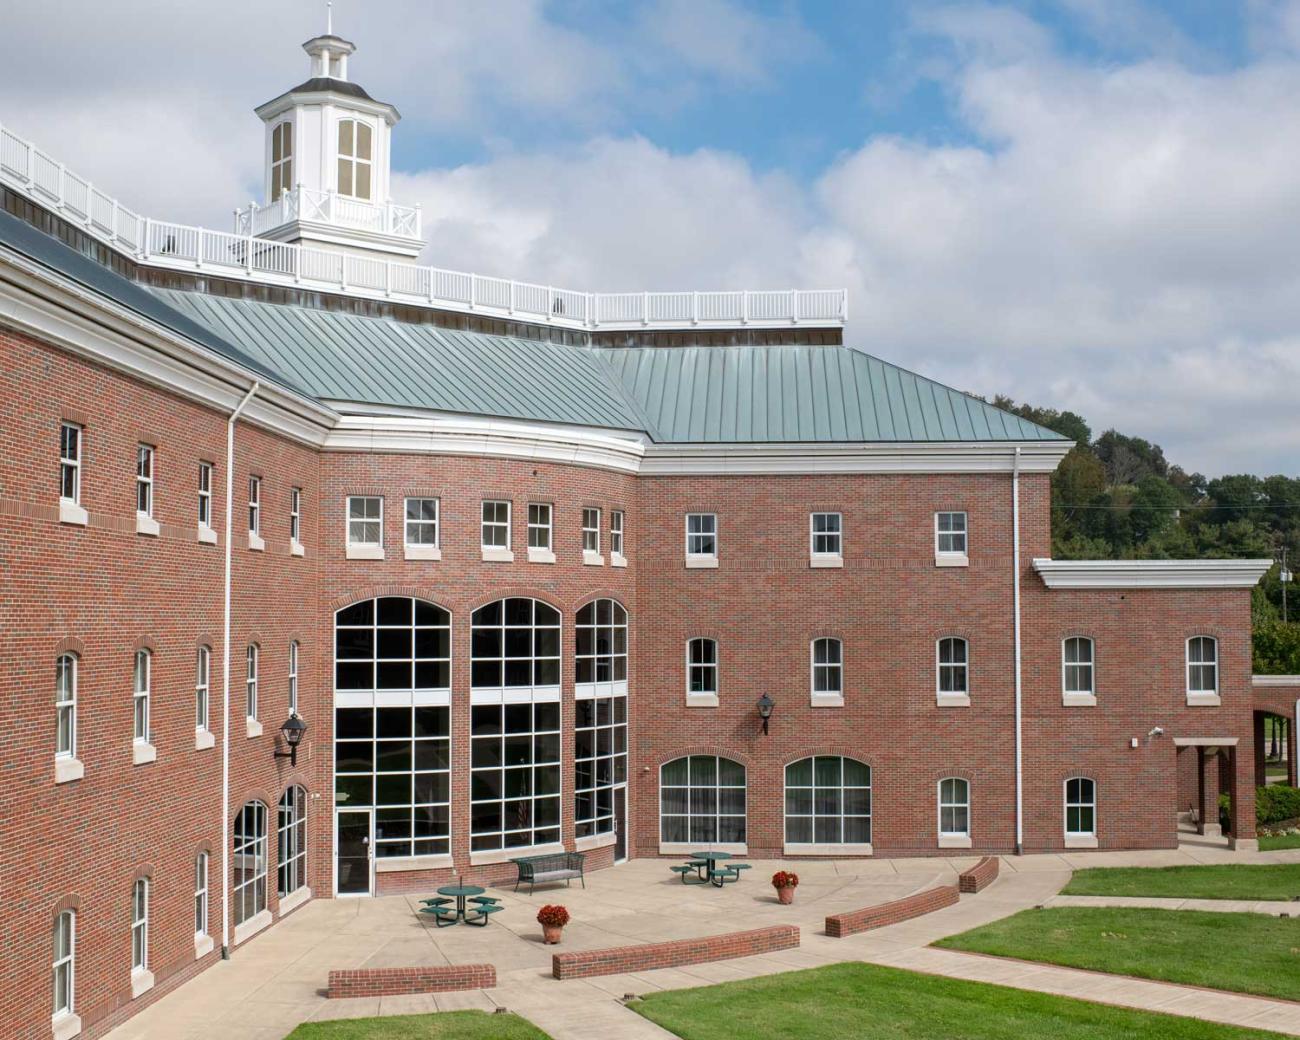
(620, 573)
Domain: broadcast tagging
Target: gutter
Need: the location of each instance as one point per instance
(1015, 557)
(225, 682)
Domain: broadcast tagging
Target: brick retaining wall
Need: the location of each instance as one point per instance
(980, 876)
(840, 925)
(619, 959)
(391, 982)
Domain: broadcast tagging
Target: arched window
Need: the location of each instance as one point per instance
(954, 808)
(281, 160)
(1076, 666)
(702, 668)
(291, 842)
(249, 865)
(1202, 666)
(65, 963)
(143, 663)
(515, 642)
(392, 726)
(202, 686)
(600, 725)
(828, 801)
(250, 690)
(354, 158)
(827, 668)
(200, 895)
(1080, 807)
(702, 800)
(140, 925)
(65, 706)
(952, 667)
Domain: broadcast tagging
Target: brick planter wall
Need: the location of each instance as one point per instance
(980, 876)
(840, 925)
(391, 982)
(619, 959)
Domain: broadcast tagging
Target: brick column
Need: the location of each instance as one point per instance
(1242, 793)
(1207, 784)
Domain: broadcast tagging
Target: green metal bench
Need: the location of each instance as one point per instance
(557, 866)
(484, 900)
(437, 901)
(443, 916)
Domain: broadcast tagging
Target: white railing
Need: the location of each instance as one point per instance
(244, 255)
(329, 207)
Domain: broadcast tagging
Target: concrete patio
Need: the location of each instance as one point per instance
(277, 980)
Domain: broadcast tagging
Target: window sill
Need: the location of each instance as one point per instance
(506, 855)
(65, 1026)
(147, 525)
(683, 848)
(592, 559)
(617, 560)
(297, 548)
(422, 552)
(1204, 700)
(143, 753)
(295, 899)
(953, 700)
(67, 769)
(540, 555)
(796, 849)
(245, 931)
(951, 560)
(701, 562)
(1079, 700)
(1081, 841)
(954, 841)
(206, 535)
(594, 841)
(827, 701)
(203, 945)
(365, 552)
(71, 513)
(141, 982)
(701, 700)
(204, 739)
(252, 727)
(255, 543)
(826, 560)
(400, 864)
(494, 555)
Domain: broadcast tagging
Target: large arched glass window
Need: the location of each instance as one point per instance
(514, 725)
(248, 868)
(827, 801)
(355, 157)
(65, 705)
(291, 842)
(702, 801)
(600, 726)
(392, 726)
(281, 160)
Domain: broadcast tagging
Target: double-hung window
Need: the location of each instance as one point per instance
(365, 527)
(143, 667)
(200, 895)
(1077, 671)
(591, 535)
(70, 462)
(702, 670)
(1080, 811)
(140, 925)
(295, 516)
(540, 533)
(1202, 670)
(701, 539)
(954, 812)
(254, 507)
(826, 537)
(616, 556)
(827, 671)
(495, 529)
(950, 539)
(65, 706)
(953, 680)
(250, 688)
(65, 961)
(144, 480)
(202, 687)
(205, 494)
(293, 677)
(422, 534)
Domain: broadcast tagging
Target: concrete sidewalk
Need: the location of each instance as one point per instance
(1274, 907)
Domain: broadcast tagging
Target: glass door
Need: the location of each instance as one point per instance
(353, 849)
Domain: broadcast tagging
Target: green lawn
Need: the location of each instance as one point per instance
(1248, 953)
(1284, 841)
(449, 1025)
(1231, 881)
(868, 1002)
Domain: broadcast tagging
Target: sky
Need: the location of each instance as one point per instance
(1084, 204)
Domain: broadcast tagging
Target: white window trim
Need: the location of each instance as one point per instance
(617, 558)
(203, 695)
(953, 839)
(1078, 839)
(254, 509)
(735, 848)
(142, 452)
(141, 976)
(363, 550)
(701, 560)
(542, 553)
(497, 553)
(356, 159)
(1079, 698)
(944, 698)
(201, 891)
(295, 523)
(1201, 698)
(422, 550)
(65, 1022)
(143, 750)
(70, 754)
(293, 677)
(948, 558)
(816, 848)
(703, 700)
(825, 699)
(592, 557)
(824, 559)
(70, 509)
(252, 673)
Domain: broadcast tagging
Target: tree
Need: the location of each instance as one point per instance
(1129, 459)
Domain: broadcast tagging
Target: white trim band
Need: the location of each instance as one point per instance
(1151, 574)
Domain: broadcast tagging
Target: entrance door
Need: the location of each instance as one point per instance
(620, 824)
(353, 845)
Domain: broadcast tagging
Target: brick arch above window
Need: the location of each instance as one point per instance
(254, 639)
(71, 901)
(713, 751)
(592, 595)
(831, 751)
(971, 776)
(145, 643)
(204, 640)
(379, 591)
(203, 846)
(513, 592)
(70, 645)
(144, 870)
(257, 795)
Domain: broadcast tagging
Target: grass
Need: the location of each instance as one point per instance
(1230, 881)
(447, 1025)
(869, 1002)
(1245, 953)
(1282, 841)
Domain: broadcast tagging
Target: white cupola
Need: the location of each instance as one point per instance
(327, 164)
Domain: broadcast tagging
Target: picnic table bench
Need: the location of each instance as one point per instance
(555, 866)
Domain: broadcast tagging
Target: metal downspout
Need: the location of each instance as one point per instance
(1015, 555)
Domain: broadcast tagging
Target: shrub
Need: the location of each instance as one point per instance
(1276, 803)
(785, 879)
(553, 916)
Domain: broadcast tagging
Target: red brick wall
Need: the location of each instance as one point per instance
(617, 960)
(392, 982)
(980, 876)
(840, 925)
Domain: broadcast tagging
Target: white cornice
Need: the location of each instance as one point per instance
(1151, 574)
(292, 98)
(909, 457)
(55, 309)
(1275, 680)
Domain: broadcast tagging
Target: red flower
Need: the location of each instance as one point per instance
(553, 916)
(785, 879)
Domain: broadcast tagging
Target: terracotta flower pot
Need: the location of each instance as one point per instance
(551, 934)
(785, 895)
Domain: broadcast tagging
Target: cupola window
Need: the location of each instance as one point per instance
(281, 160)
(354, 158)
